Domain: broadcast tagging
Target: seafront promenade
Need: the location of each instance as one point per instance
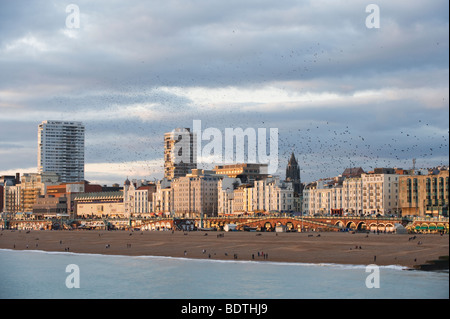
(309, 247)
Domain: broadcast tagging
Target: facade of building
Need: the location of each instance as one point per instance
(21, 197)
(50, 206)
(370, 194)
(196, 194)
(380, 193)
(138, 197)
(264, 196)
(7, 181)
(180, 153)
(225, 195)
(246, 172)
(12, 202)
(162, 198)
(70, 191)
(319, 198)
(61, 149)
(424, 195)
(98, 205)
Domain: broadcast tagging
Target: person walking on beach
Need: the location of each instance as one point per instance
(374, 258)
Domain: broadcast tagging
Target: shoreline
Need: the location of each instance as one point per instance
(397, 267)
(396, 250)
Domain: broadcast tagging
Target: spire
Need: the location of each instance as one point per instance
(292, 160)
(293, 174)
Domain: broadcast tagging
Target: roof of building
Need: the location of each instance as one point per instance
(353, 171)
(100, 195)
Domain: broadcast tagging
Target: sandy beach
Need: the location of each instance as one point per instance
(324, 247)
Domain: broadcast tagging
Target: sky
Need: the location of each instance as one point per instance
(341, 94)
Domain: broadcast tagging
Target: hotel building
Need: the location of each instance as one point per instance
(424, 195)
(196, 194)
(371, 194)
(61, 149)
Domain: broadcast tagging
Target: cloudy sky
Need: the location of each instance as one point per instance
(341, 94)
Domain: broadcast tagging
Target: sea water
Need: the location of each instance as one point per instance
(38, 274)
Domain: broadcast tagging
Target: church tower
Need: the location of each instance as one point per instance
(293, 174)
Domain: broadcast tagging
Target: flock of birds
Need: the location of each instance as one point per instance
(323, 149)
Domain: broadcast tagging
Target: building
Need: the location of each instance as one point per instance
(370, 194)
(264, 196)
(352, 172)
(6, 181)
(225, 195)
(138, 197)
(162, 198)
(21, 197)
(293, 175)
(323, 197)
(246, 172)
(70, 191)
(196, 194)
(100, 205)
(61, 149)
(12, 199)
(380, 193)
(352, 192)
(424, 195)
(50, 206)
(180, 153)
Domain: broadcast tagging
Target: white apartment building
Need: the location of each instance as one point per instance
(61, 149)
(368, 195)
(266, 195)
(380, 193)
(136, 200)
(322, 200)
(352, 195)
(225, 195)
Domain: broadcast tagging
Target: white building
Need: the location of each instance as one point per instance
(366, 195)
(162, 198)
(379, 193)
(266, 195)
(137, 200)
(225, 195)
(61, 149)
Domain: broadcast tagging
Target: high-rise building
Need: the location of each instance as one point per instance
(61, 149)
(180, 153)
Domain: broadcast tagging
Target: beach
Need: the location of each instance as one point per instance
(406, 250)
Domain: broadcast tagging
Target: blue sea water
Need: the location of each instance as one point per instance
(38, 274)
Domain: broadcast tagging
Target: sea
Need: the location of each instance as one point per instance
(32, 274)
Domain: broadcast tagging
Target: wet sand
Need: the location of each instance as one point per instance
(329, 247)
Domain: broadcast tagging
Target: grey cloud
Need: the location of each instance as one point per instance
(125, 52)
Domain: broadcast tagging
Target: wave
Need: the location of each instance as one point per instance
(203, 260)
